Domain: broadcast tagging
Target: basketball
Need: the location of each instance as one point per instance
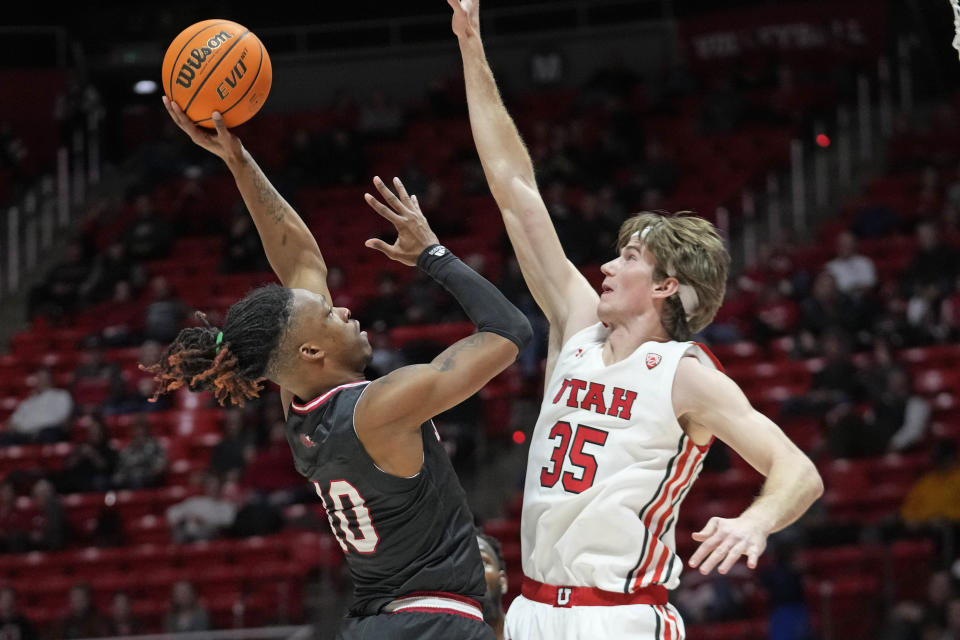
(217, 65)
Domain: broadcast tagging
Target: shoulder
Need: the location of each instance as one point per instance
(697, 384)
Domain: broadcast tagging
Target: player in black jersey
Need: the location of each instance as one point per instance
(370, 448)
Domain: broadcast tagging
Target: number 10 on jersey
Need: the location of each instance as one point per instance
(354, 526)
(553, 472)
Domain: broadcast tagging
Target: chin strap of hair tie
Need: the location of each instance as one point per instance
(219, 340)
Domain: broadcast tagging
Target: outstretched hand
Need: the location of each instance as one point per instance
(413, 233)
(220, 142)
(724, 540)
(466, 17)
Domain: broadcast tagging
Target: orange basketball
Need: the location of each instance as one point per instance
(217, 65)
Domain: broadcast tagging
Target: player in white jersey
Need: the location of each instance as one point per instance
(629, 410)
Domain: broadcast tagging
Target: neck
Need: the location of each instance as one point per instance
(625, 338)
(310, 389)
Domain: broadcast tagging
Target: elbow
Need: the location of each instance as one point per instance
(814, 482)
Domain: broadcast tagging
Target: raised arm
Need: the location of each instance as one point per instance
(391, 410)
(708, 403)
(290, 247)
(564, 295)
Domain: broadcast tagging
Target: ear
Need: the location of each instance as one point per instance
(503, 583)
(666, 287)
(311, 353)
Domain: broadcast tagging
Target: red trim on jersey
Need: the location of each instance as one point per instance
(590, 596)
(672, 619)
(675, 475)
(319, 400)
(661, 565)
(713, 358)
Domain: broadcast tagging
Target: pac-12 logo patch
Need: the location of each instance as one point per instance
(306, 441)
(653, 359)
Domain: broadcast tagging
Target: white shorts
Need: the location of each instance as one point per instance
(529, 620)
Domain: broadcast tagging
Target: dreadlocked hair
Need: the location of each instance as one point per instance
(234, 367)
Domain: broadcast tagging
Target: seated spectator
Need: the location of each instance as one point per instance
(82, 619)
(96, 380)
(387, 308)
(826, 308)
(933, 262)
(900, 418)
(933, 497)
(242, 250)
(149, 235)
(227, 457)
(775, 314)
(186, 613)
(143, 461)
(110, 267)
(48, 530)
(929, 618)
(92, 463)
(165, 314)
(13, 624)
(854, 273)
(42, 416)
(60, 292)
(121, 317)
(14, 523)
(836, 383)
(122, 622)
(201, 517)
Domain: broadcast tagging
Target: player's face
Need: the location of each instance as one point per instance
(492, 571)
(627, 287)
(336, 332)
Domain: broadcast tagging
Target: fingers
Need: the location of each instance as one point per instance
(378, 245)
(402, 192)
(219, 124)
(455, 5)
(382, 209)
(708, 530)
(704, 550)
(389, 197)
(731, 557)
(753, 555)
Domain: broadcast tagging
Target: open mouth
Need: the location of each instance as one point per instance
(605, 289)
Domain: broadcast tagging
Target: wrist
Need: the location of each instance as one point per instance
(236, 161)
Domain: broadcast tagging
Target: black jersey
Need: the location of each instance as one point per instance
(400, 535)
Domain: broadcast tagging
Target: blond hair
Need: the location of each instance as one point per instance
(689, 249)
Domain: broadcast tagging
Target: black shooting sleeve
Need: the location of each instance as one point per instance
(483, 303)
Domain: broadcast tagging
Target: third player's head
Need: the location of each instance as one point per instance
(669, 267)
(293, 337)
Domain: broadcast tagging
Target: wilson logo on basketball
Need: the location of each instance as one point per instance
(188, 70)
(653, 359)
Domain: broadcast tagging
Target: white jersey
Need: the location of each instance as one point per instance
(609, 466)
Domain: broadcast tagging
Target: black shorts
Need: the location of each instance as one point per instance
(414, 625)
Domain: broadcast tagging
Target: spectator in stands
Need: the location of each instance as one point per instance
(242, 251)
(922, 310)
(853, 273)
(929, 619)
(48, 530)
(82, 619)
(836, 383)
(143, 461)
(949, 320)
(96, 380)
(13, 624)
(186, 613)
(495, 575)
(387, 308)
(775, 314)
(110, 267)
(122, 622)
(826, 309)
(121, 317)
(789, 614)
(149, 234)
(165, 314)
(933, 497)
(201, 517)
(42, 416)
(60, 292)
(899, 417)
(380, 117)
(92, 463)
(13, 522)
(932, 263)
(227, 457)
